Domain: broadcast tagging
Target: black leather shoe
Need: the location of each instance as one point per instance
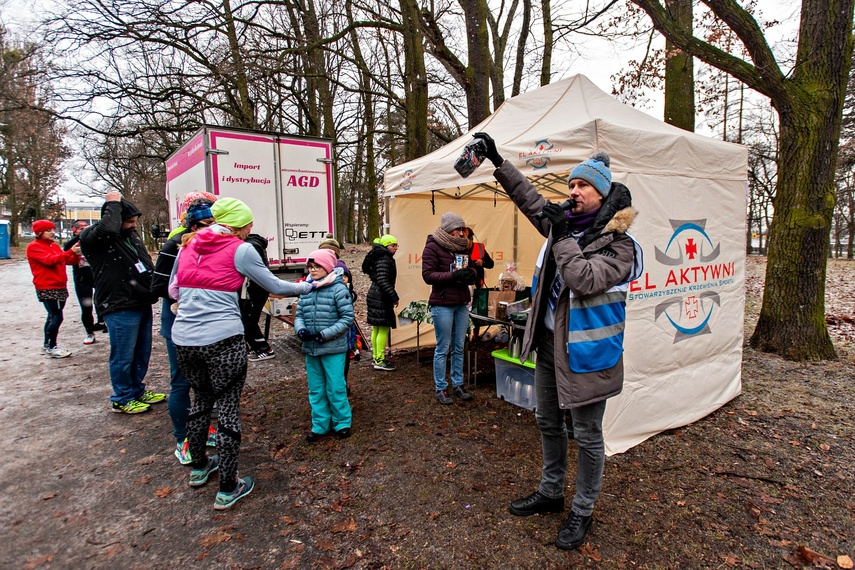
(573, 531)
(535, 504)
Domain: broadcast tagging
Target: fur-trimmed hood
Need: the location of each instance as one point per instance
(621, 221)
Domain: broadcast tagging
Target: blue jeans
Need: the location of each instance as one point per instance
(130, 349)
(179, 386)
(586, 426)
(54, 319)
(450, 324)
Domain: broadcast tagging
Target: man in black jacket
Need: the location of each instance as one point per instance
(122, 269)
(84, 283)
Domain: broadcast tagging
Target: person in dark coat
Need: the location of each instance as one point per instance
(123, 268)
(445, 268)
(382, 298)
(251, 305)
(198, 216)
(84, 285)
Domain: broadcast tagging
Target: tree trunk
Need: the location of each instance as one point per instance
(415, 83)
(792, 317)
(548, 41)
(680, 73)
(478, 41)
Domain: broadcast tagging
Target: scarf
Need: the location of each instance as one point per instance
(450, 242)
(579, 222)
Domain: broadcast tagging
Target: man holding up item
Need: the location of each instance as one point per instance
(122, 269)
(576, 325)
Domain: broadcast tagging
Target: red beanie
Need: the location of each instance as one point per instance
(40, 226)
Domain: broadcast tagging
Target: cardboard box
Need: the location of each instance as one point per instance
(282, 307)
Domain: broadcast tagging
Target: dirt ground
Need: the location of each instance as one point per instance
(767, 481)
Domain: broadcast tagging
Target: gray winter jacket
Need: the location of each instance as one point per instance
(603, 259)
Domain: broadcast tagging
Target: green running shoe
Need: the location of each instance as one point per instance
(150, 397)
(199, 477)
(130, 407)
(226, 500)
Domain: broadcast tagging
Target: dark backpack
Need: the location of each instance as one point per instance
(368, 263)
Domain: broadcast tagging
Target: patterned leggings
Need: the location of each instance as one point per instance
(217, 373)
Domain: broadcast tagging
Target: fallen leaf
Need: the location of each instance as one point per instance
(681, 503)
(345, 526)
(143, 480)
(163, 492)
(450, 465)
(845, 562)
(813, 557)
(335, 506)
(48, 496)
(122, 451)
(203, 555)
(40, 561)
(732, 560)
(288, 520)
(434, 516)
(592, 553)
(212, 539)
(794, 442)
(825, 447)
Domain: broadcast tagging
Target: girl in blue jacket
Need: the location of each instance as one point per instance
(323, 317)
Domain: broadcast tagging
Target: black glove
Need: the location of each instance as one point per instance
(558, 217)
(304, 334)
(319, 338)
(492, 152)
(466, 276)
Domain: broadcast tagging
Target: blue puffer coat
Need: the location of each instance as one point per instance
(329, 311)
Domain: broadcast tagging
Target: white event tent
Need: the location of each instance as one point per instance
(684, 333)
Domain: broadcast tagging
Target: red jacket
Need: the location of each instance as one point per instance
(47, 262)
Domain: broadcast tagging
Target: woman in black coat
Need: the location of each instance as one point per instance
(382, 298)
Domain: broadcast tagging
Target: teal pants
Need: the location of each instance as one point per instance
(328, 392)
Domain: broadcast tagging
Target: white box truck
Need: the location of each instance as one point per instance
(286, 180)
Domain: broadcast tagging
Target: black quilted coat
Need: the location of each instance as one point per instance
(381, 268)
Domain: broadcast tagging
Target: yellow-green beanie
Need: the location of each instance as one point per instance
(387, 240)
(231, 212)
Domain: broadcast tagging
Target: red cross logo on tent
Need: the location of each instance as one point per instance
(692, 307)
(691, 248)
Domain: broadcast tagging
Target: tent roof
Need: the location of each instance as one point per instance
(549, 130)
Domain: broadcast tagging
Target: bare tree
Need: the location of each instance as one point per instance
(809, 101)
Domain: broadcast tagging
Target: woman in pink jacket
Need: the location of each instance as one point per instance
(47, 262)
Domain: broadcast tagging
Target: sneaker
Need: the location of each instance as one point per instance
(90, 339)
(573, 531)
(182, 452)
(150, 397)
(461, 393)
(536, 504)
(212, 437)
(226, 500)
(256, 356)
(57, 352)
(442, 397)
(199, 477)
(130, 407)
(101, 327)
(383, 365)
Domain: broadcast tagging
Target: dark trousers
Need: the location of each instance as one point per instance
(54, 319)
(84, 284)
(250, 312)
